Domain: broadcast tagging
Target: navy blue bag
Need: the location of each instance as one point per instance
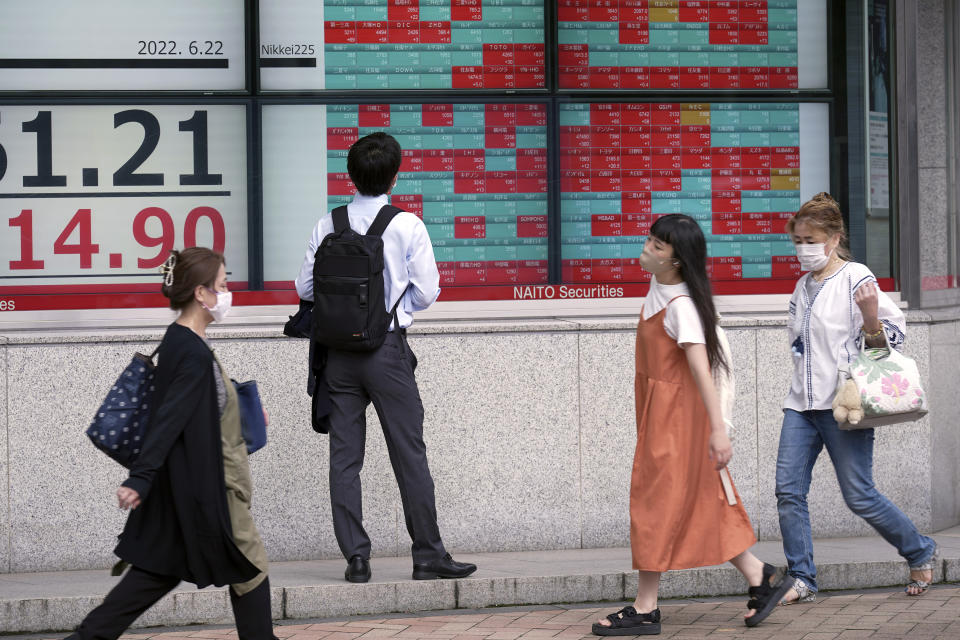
(252, 423)
(119, 426)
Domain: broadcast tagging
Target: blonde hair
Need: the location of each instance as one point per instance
(823, 213)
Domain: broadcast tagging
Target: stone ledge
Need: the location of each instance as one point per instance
(422, 327)
(186, 606)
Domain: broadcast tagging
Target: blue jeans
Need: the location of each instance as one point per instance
(802, 437)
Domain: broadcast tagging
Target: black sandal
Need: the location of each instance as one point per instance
(764, 599)
(627, 622)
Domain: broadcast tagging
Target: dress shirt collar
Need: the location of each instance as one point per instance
(371, 201)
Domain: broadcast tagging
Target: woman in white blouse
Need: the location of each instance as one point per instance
(835, 306)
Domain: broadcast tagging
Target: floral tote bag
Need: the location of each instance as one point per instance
(889, 386)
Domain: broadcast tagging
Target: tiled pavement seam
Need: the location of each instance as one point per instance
(877, 615)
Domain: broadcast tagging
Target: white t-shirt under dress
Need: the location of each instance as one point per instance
(681, 321)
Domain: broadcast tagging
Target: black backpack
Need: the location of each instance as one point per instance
(349, 310)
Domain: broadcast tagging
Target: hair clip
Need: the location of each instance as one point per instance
(167, 270)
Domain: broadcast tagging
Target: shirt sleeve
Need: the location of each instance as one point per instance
(891, 316)
(422, 271)
(682, 322)
(304, 282)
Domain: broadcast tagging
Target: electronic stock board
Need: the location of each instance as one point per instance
(476, 174)
(402, 45)
(94, 194)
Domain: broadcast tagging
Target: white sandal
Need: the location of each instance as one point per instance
(804, 593)
(923, 585)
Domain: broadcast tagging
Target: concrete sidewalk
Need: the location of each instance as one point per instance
(33, 602)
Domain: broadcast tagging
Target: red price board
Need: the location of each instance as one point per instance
(93, 198)
(734, 167)
(692, 44)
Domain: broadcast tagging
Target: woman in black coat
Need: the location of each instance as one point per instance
(189, 489)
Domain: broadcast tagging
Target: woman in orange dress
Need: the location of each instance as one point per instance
(680, 516)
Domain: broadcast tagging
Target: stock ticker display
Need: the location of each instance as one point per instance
(476, 174)
(734, 167)
(678, 44)
(403, 45)
(524, 167)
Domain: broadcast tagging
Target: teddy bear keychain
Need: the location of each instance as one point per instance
(846, 404)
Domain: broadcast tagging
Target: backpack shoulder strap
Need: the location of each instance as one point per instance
(341, 221)
(384, 216)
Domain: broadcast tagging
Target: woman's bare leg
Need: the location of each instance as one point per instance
(648, 584)
(752, 569)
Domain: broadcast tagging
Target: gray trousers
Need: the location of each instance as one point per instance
(386, 378)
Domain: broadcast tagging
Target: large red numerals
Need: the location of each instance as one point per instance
(25, 222)
(82, 224)
(85, 248)
(164, 241)
(167, 237)
(216, 221)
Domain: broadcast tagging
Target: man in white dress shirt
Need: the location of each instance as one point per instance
(384, 376)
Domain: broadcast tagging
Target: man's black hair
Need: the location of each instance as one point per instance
(372, 163)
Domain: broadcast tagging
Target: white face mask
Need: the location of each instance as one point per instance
(220, 310)
(812, 256)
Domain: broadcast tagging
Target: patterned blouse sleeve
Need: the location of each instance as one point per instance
(894, 322)
(891, 316)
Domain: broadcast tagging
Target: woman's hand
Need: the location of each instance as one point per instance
(868, 300)
(720, 449)
(128, 498)
(266, 418)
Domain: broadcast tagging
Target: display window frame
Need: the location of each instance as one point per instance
(249, 77)
(844, 158)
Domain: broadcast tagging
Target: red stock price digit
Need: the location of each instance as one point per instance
(165, 241)
(85, 248)
(216, 222)
(25, 222)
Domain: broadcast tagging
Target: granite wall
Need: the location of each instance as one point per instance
(937, 234)
(945, 440)
(529, 428)
(929, 47)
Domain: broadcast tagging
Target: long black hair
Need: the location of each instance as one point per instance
(690, 250)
